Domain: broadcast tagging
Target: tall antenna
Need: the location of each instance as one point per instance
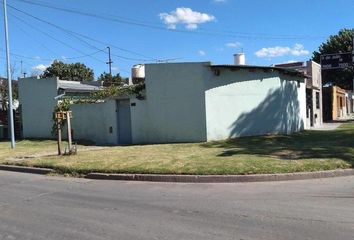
(21, 74)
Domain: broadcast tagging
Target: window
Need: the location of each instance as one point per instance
(317, 100)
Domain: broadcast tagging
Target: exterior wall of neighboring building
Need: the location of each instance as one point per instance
(314, 107)
(314, 70)
(245, 103)
(339, 107)
(95, 122)
(37, 101)
(174, 109)
(335, 101)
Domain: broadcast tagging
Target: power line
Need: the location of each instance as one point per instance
(75, 35)
(201, 31)
(61, 42)
(92, 39)
(41, 44)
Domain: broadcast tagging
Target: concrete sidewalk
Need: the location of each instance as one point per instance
(327, 126)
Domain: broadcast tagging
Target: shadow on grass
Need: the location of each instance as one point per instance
(337, 144)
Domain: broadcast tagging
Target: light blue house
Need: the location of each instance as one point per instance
(192, 102)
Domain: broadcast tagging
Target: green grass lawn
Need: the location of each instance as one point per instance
(305, 151)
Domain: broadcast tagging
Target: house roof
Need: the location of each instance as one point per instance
(263, 68)
(73, 86)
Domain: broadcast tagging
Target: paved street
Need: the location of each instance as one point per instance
(38, 207)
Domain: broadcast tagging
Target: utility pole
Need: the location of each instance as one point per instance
(21, 74)
(10, 109)
(109, 61)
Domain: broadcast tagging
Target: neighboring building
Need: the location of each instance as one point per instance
(314, 105)
(182, 102)
(337, 102)
(38, 97)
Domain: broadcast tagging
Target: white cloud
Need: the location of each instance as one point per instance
(299, 50)
(201, 53)
(278, 51)
(185, 16)
(40, 68)
(219, 1)
(233, 44)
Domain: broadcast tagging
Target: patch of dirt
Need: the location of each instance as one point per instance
(287, 154)
(50, 154)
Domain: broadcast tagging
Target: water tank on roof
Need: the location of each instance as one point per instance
(239, 59)
(138, 73)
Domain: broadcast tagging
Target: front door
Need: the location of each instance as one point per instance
(124, 122)
(309, 106)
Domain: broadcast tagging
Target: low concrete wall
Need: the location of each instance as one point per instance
(96, 122)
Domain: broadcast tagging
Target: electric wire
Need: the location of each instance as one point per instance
(76, 35)
(202, 31)
(58, 40)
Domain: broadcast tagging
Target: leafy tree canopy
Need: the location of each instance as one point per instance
(340, 43)
(4, 90)
(69, 71)
(115, 80)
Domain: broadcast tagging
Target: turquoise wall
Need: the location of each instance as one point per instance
(37, 101)
(95, 122)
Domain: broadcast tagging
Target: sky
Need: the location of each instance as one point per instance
(152, 31)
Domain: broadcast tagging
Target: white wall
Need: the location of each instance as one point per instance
(37, 101)
(92, 122)
(245, 103)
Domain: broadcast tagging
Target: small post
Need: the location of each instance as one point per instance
(68, 116)
(59, 135)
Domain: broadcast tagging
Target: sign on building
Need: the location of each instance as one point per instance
(336, 60)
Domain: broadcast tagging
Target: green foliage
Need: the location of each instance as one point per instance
(114, 91)
(115, 80)
(340, 43)
(69, 71)
(4, 91)
(62, 106)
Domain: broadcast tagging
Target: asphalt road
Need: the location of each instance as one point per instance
(38, 207)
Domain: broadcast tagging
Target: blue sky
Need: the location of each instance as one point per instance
(184, 30)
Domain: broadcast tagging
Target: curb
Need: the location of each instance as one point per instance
(222, 178)
(194, 178)
(12, 168)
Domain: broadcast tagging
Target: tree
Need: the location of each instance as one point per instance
(69, 71)
(109, 80)
(4, 90)
(340, 43)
